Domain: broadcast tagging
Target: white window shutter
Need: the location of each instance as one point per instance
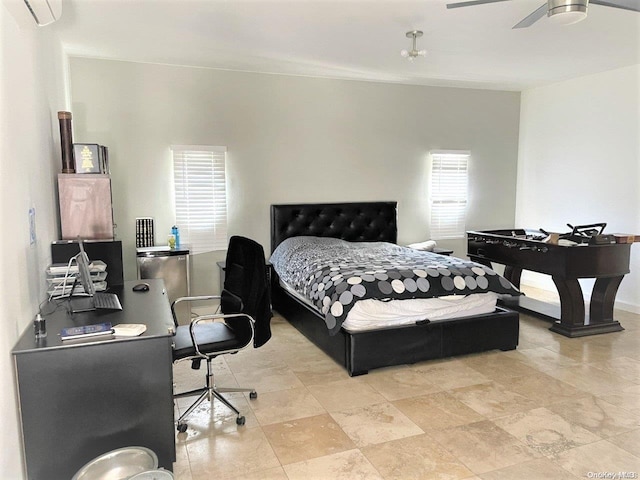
(449, 186)
(200, 196)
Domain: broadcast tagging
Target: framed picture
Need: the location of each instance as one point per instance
(87, 157)
(104, 160)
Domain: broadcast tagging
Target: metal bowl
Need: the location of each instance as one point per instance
(119, 464)
(160, 474)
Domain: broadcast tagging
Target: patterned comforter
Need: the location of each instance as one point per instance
(333, 274)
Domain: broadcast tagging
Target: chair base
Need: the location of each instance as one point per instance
(209, 392)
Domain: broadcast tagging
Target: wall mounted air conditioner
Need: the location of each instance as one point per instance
(44, 12)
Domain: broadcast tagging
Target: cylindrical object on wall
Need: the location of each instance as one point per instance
(66, 142)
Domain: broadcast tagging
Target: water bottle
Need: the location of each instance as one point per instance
(40, 327)
(176, 235)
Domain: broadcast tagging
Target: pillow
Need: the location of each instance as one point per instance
(427, 246)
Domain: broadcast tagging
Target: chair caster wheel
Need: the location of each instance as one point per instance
(182, 427)
(240, 420)
(253, 395)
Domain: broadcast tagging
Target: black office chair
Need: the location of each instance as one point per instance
(245, 317)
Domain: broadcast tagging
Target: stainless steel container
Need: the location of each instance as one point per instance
(173, 266)
(120, 464)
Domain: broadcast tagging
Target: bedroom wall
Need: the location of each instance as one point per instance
(290, 139)
(579, 163)
(31, 93)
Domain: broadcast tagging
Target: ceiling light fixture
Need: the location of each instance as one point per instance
(561, 12)
(414, 52)
(567, 12)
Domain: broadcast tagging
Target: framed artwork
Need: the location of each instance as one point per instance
(87, 157)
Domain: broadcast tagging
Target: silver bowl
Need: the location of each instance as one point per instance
(119, 464)
(160, 474)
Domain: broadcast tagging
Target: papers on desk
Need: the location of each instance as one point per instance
(129, 329)
(60, 269)
(61, 276)
(86, 331)
(102, 330)
(59, 280)
(58, 290)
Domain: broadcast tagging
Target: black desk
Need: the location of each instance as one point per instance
(80, 400)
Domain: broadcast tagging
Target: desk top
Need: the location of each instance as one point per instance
(151, 308)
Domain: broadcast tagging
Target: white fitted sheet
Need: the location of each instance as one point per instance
(371, 314)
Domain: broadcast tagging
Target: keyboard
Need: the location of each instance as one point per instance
(106, 301)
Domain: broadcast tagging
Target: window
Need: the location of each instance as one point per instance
(200, 196)
(449, 178)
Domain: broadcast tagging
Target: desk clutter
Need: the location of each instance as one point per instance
(129, 329)
(107, 251)
(86, 331)
(103, 329)
(61, 278)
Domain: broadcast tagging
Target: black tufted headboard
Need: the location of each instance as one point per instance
(355, 222)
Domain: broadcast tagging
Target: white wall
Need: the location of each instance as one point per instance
(579, 162)
(31, 93)
(290, 139)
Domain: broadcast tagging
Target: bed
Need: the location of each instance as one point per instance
(361, 351)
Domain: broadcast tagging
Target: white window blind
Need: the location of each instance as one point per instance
(449, 180)
(200, 196)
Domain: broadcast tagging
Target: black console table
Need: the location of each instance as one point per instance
(80, 400)
(519, 250)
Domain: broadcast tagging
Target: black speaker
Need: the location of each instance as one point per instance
(109, 251)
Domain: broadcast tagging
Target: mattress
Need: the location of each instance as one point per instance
(372, 314)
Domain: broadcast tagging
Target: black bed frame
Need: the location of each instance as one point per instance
(362, 351)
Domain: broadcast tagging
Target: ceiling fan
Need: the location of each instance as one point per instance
(564, 12)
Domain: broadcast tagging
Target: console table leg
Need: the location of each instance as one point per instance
(513, 274)
(603, 298)
(571, 301)
(573, 322)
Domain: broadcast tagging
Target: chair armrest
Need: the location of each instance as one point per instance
(196, 298)
(230, 300)
(214, 317)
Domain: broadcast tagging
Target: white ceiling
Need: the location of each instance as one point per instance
(356, 39)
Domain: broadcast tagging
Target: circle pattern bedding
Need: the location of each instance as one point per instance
(333, 274)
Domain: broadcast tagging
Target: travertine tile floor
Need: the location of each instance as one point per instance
(555, 408)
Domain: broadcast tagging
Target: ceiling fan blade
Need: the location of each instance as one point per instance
(532, 18)
(628, 5)
(473, 2)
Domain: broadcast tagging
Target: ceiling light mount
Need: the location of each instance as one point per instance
(414, 52)
(567, 12)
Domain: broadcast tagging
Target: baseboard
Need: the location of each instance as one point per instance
(627, 307)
